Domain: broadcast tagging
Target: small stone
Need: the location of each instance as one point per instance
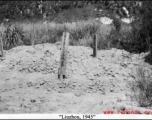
(113, 75)
(111, 90)
(33, 101)
(122, 108)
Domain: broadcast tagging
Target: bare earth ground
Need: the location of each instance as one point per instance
(29, 83)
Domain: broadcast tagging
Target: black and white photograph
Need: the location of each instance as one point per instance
(76, 57)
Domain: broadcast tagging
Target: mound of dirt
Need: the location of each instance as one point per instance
(29, 80)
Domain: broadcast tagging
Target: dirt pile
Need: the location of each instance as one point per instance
(29, 82)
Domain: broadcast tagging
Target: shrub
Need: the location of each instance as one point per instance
(142, 27)
(117, 23)
(12, 36)
(122, 39)
(142, 88)
(82, 33)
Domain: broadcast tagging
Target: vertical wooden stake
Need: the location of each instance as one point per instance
(151, 51)
(1, 47)
(63, 59)
(33, 39)
(109, 45)
(95, 45)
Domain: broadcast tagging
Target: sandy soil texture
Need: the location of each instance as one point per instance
(29, 83)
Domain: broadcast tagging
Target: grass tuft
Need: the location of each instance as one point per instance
(81, 33)
(142, 88)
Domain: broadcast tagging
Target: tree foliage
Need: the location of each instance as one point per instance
(142, 26)
(17, 9)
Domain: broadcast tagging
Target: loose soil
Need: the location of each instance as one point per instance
(30, 84)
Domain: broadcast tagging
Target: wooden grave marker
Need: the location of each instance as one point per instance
(151, 51)
(95, 45)
(33, 39)
(1, 47)
(63, 59)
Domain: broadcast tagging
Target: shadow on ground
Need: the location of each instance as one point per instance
(148, 59)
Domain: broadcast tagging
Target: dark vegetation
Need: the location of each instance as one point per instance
(19, 10)
(71, 11)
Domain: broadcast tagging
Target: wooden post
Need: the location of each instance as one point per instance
(151, 51)
(63, 59)
(95, 45)
(1, 47)
(33, 38)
